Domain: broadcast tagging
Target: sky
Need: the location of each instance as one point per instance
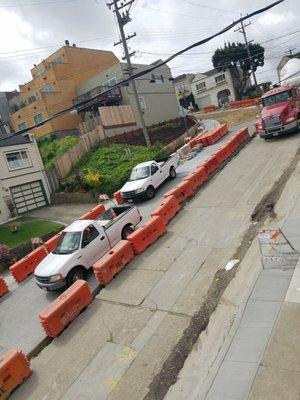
(31, 30)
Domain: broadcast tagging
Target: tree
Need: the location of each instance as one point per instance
(235, 55)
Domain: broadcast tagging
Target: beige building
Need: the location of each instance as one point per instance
(54, 86)
(156, 94)
(23, 182)
(183, 88)
(214, 87)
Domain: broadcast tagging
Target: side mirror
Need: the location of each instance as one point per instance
(84, 244)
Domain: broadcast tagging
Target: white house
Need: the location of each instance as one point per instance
(214, 87)
(23, 182)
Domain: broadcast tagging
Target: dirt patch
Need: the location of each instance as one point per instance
(174, 363)
(232, 117)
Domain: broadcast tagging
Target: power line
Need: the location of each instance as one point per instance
(158, 65)
(208, 7)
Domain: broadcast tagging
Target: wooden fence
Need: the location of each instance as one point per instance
(64, 164)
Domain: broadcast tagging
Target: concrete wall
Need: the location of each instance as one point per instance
(9, 179)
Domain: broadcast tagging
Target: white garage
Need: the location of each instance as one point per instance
(29, 196)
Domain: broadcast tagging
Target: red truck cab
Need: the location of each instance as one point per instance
(280, 112)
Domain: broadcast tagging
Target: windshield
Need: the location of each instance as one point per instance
(68, 243)
(277, 98)
(139, 173)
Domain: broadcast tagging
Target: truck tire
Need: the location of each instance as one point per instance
(126, 231)
(150, 192)
(75, 274)
(298, 123)
(172, 173)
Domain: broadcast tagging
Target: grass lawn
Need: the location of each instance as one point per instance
(28, 228)
(51, 149)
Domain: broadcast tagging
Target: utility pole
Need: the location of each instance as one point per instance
(241, 29)
(290, 51)
(123, 18)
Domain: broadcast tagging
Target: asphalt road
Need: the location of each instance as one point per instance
(19, 325)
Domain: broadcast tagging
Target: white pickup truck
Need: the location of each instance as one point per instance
(82, 243)
(145, 178)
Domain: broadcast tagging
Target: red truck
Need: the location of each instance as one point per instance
(280, 112)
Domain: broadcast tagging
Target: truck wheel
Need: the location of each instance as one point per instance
(172, 174)
(75, 274)
(126, 231)
(150, 192)
(298, 123)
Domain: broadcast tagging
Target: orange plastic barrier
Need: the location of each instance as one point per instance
(194, 179)
(212, 135)
(210, 165)
(52, 243)
(242, 135)
(58, 314)
(182, 191)
(223, 153)
(113, 262)
(243, 103)
(167, 209)
(118, 197)
(193, 142)
(144, 236)
(94, 213)
(209, 108)
(26, 266)
(3, 287)
(14, 370)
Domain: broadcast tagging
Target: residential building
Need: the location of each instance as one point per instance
(7, 102)
(23, 182)
(289, 67)
(183, 89)
(156, 94)
(215, 87)
(53, 87)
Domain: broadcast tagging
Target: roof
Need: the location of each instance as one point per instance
(79, 225)
(13, 139)
(277, 90)
(144, 164)
(184, 76)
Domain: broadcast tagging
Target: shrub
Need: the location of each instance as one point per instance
(51, 148)
(6, 256)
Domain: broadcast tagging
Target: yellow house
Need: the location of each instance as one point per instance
(53, 88)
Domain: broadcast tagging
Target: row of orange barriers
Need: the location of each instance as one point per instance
(210, 136)
(14, 370)
(58, 314)
(94, 213)
(3, 287)
(26, 266)
(209, 108)
(243, 103)
(113, 262)
(167, 209)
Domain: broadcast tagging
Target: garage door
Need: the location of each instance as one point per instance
(29, 196)
(203, 101)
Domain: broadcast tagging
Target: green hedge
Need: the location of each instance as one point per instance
(107, 167)
(52, 148)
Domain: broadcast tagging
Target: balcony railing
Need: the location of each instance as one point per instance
(113, 94)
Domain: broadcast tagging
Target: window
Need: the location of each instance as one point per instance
(201, 86)
(89, 234)
(220, 79)
(68, 243)
(57, 60)
(142, 103)
(17, 160)
(38, 118)
(31, 99)
(40, 71)
(48, 88)
(277, 98)
(182, 88)
(154, 169)
(22, 126)
(158, 78)
(111, 82)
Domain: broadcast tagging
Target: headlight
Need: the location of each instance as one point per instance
(140, 190)
(290, 119)
(55, 278)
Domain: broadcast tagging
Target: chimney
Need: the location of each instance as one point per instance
(67, 43)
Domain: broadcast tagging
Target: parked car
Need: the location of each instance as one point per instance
(280, 112)
(82, 243)
(146, 177)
